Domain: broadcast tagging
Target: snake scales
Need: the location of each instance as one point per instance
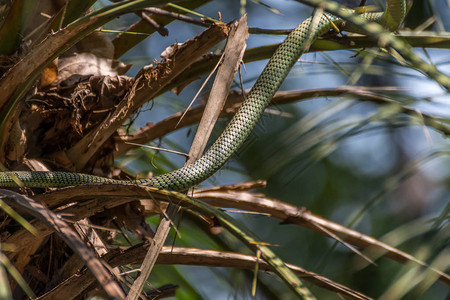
(241, 124)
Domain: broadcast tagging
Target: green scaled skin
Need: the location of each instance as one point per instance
(241, 124)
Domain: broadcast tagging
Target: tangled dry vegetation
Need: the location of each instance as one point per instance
(67, 113)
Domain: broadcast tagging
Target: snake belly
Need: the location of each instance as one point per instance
(240, 125)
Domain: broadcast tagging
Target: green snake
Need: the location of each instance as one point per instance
(242, 122)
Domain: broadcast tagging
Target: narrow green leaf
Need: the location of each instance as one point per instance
(18, 218)
(12, 28)
(249, 238)
(16, 275)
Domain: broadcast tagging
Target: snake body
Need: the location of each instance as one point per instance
(240, 125)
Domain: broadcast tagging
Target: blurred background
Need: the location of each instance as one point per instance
(366, 165)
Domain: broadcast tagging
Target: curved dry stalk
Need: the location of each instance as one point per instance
(428, 39)
(196, 257)
(123, 42)
(148, 83)
(291, 214)
(234, 50)
(233, 196)
(51, 220)
(238, 230)
(153, 131)
(15, 83)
